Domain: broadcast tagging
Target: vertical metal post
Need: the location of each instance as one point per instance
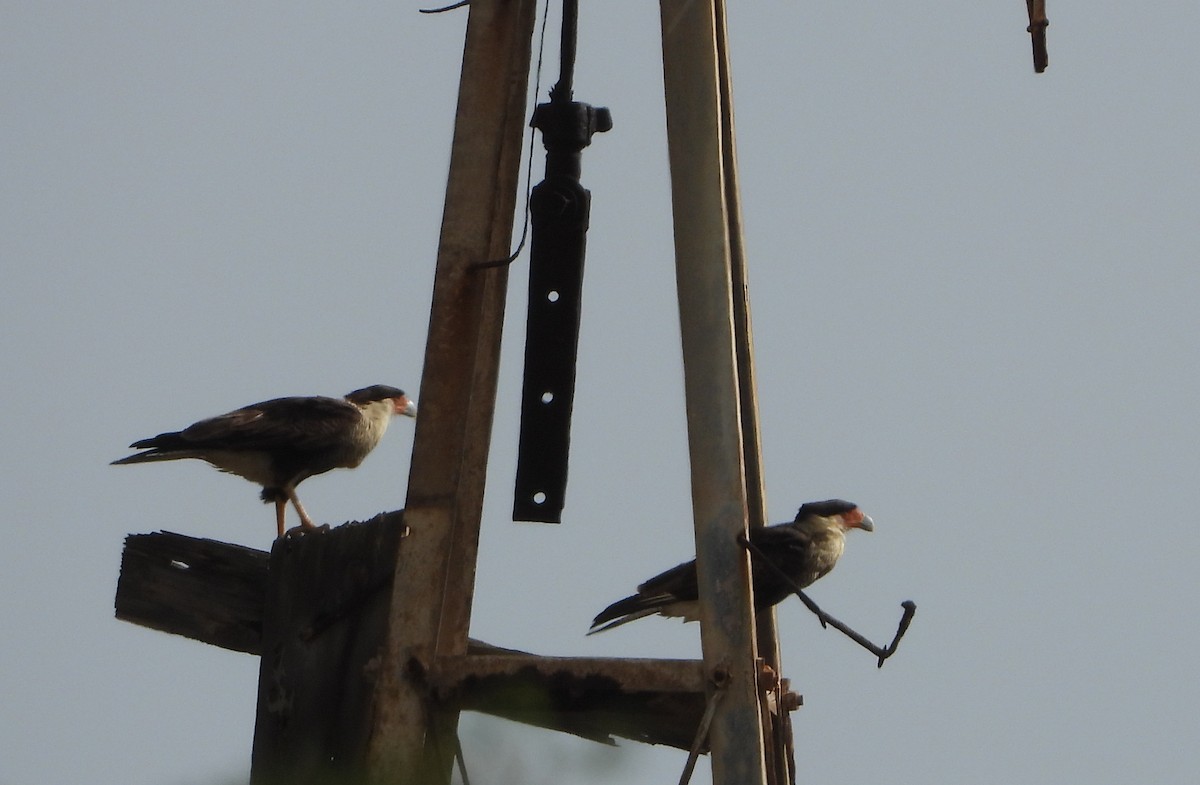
(778, 759)
(431, 595)
(707, 225)
(756, 496)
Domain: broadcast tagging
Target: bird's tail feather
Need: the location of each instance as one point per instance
(152, 456)
(622, 620)
(623, 611)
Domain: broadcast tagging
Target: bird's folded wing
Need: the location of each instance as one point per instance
(784, 535)
(293, 423)
(681, 583)
(678, 582)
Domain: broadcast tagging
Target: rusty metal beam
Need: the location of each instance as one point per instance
(627, 673)
(707, 228)
(756, 494)
(431, 600)
(777, 725)
(650, 701)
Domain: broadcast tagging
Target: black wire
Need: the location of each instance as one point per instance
(444, 9)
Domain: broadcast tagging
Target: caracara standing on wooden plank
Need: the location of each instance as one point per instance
(282, 442)
(804, 549)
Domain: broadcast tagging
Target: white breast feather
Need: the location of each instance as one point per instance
(375, 418)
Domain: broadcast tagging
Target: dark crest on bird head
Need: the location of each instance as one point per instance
(376, 392)
(825, 509)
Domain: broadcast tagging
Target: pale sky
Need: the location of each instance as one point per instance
(974, 296)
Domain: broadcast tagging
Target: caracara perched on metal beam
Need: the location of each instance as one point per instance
(804, 549)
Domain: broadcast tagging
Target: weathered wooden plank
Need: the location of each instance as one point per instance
(207, 590)
(326, 618)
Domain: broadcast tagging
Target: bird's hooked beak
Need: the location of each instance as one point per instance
(404, 405)
(857, 519)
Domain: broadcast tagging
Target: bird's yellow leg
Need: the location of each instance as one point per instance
(305, 521)
(280, 508)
